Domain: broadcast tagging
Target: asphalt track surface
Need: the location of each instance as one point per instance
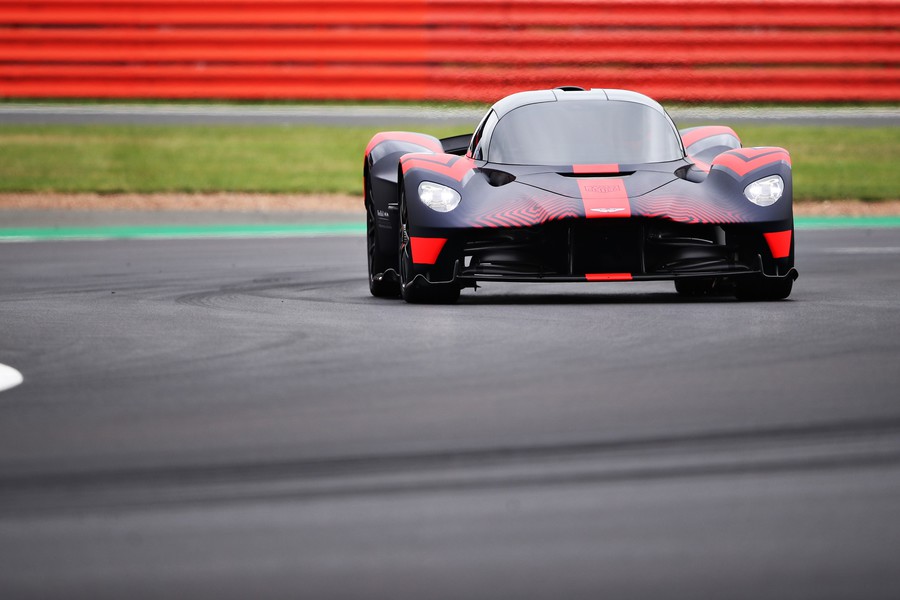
(402, 116)
(240, 419)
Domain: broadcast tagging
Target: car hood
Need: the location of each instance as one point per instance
(637, 182)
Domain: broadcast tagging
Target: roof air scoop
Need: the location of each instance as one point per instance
(570, 88)
(604, 170)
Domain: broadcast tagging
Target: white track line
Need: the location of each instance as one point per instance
(9, 377)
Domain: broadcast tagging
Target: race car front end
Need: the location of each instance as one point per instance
(731, 230)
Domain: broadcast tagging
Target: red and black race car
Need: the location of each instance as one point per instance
(574, 185)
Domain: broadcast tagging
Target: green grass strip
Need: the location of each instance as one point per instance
(829, 162)
(316, 230)
(190, 159)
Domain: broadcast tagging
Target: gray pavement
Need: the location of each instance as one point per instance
(385, 116)
(233, 419)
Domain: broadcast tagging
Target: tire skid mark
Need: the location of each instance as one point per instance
(229, 296)
(724, 453)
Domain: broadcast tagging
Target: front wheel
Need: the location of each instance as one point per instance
(379, 285)
(763, 288)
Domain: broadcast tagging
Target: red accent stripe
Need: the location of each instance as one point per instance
(779, 243)
(456, 167)
(747, 159)
(527, 211)
(608, 276)
(684, 208)
(701, 133)
(425, 251)
(604, 198)
(703, 166)
(404, 136)
(600, 168)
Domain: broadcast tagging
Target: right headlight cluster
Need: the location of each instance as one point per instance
(766, 191)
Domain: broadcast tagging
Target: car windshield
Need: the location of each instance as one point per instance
(583, 132)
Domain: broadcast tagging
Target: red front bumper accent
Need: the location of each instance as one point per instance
(608, 276)
(779, 243)
(425, 251)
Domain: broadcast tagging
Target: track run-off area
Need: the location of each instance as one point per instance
(211, 405)
(236, 416)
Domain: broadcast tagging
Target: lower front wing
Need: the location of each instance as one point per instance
(611, 250)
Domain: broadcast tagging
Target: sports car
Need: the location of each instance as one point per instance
(569, 185)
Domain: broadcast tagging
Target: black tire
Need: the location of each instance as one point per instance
(763, 288)
(419, 292)
(696, 287)
(378, 261)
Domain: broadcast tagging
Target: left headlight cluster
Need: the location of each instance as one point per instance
(438, 197)
(766, 191)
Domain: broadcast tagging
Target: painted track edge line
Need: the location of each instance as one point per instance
(885, 222)
(9, 377)
(37, 234)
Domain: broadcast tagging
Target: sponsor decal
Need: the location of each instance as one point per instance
(604, 198)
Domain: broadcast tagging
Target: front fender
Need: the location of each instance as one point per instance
(380, 167)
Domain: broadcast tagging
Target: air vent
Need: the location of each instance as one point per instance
(498, 178)
(583, 174)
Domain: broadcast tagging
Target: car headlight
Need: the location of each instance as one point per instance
(438, 197)
(766, 191)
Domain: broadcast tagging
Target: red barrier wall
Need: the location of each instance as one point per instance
(705, 50)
